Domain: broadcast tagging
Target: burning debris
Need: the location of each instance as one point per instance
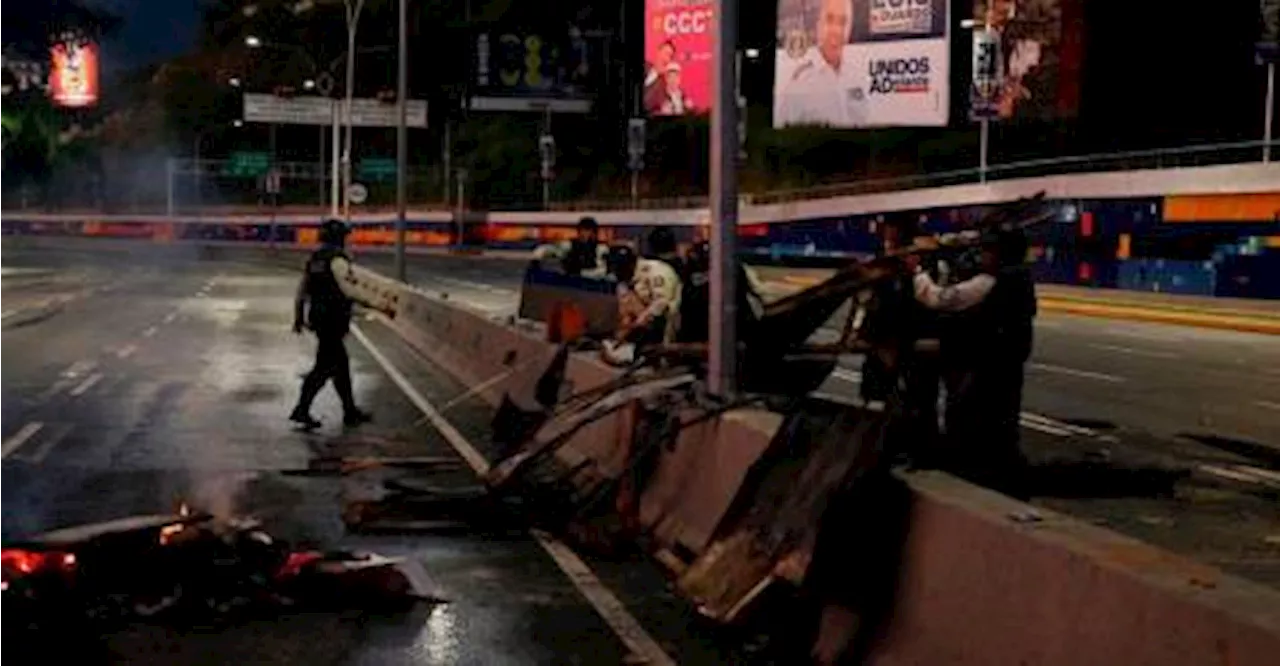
(189, 567)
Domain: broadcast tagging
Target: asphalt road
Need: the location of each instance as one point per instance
(162, 379)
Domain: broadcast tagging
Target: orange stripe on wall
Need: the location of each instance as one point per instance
(1223, 208)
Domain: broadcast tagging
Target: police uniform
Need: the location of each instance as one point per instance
(577, 257)
(817, 94)
(653, 298)
(324, 308)
(992, 337)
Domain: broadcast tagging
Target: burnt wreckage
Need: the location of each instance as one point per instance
(828, 457)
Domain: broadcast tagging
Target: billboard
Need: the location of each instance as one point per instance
(73, 74)
(678, 56)
(522, 69)
(1033, 49)
(862, 63)
(1268, 45)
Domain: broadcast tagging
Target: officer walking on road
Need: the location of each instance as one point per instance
(992, 337)
(323, 307)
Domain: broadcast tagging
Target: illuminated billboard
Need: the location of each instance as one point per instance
(678, 57)
(1030, 59)
(862, 63)
(528, 70)
(73, 74)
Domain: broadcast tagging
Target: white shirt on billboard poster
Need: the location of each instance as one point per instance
(816, 93)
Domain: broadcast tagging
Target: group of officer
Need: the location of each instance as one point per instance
(663, 295)
(980, 309)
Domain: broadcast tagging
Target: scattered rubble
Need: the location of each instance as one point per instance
(189, 567)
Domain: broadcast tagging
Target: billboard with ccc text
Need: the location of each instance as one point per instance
(678, 56)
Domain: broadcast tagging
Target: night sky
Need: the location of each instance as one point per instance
(153, 30)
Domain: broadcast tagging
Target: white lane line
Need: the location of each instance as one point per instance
(86, 384)
(851, 376)
(1273, 476)
(151, 330)
(19, 438)
(1267, 404)
(1132, 350)
(49, 443)
(1144, 335)
(1085, 374)
(168, 319)
(1060, 425)
(126, 351)
(1044, 427)
(79, 368)
(609, 607)
(1244, 474)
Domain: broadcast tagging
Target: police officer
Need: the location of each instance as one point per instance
(823, 88)
(992, 339)
(649, 292)
(695, 296)
(323, 307)
(585, 255)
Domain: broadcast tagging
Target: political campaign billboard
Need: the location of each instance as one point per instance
(678, 56)
(862, 63)
(1027, 56)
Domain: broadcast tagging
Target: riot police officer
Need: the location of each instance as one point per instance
(992, 336)
(325, 309)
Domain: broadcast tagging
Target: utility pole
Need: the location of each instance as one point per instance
(402, 138)
(722, 359)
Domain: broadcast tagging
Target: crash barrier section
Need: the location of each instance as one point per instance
(983, 579)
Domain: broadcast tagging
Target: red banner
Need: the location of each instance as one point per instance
(678, 42)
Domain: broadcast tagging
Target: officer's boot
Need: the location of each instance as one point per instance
(351, 414)
(301, 414)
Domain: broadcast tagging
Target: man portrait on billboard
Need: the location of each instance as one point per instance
(655, 77)
(820, 89)
(676, 101)
(1026, 30)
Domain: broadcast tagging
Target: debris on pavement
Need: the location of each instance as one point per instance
(189, 567)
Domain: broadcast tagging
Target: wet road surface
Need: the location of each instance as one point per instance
(168, 380)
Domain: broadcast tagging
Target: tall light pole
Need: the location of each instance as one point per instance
(402, 137)
(353, 22)
(722, 370)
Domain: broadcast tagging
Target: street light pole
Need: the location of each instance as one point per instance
(402, 138)
(353, 22)
(722, 369)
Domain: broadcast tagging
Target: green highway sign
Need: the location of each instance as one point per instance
(243, 164)
(376, 169)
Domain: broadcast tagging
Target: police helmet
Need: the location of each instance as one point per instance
(588, 224)
(333, 231)
(699, 257)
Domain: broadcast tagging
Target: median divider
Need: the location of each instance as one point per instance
(983, 579)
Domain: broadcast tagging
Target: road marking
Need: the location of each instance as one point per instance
(86, 384)
(49, 443)
(1044, 427)
(851, 376)
(1132, 350)
(1267, 404)
(79, 368)
(150, 332)
(606, 604)
(1144, 335)
(1244, 473)
(168, 319)
(126, 351)
(1086, 374)
(1060, 425)
(1042, 323)
(19, 438)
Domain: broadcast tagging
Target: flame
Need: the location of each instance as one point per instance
(168, 532)
(184, 510)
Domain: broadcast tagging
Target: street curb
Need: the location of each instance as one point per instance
(1180, 318)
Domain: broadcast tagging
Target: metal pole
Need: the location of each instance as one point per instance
(402, 138)
(353, 22)
(984, 137)
(320, 166)
(273, 186)
(635, 188)
(1270, 112)
(462, 205)
(722, 368)
(335, 178)
(448, 162)
(169, 169)
(195, 164)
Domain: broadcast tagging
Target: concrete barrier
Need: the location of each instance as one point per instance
(979, 583)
